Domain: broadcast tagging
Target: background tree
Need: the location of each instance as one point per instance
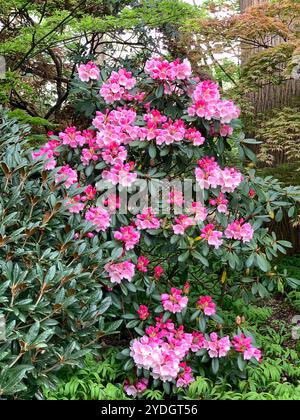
(42, 41)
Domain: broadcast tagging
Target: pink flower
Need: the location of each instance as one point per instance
(221, 203)
(99, 217)
(74, 205)
(185, 377)
(206, 304)
(198, 342)
(183, 222)
(174, 302)
(117, 86)
(170, 132)
(160, 69)
(143, 312)
(114, 154)
(120, 174)
(217, 347)
(48, 152)
(142, 264)
(120, 271)
(129, 236)
(90, 193)
(158, 271)
(88, 72)
(212, 236)
(72, 137)
(67, 175)
(132, 390)
(243, 344)
(198, 211)
(226, 130)
(207, 91)
(240, 231)
(176, 198)
(194, 136)
(147, 220)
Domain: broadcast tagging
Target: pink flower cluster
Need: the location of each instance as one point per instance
(160, 69)
(158, 272)
(142, 264)
(174, 302)
(243, 344)
(67, 175)
(161, 351)
(120, 271)
(210, 175)
(198, 211)
(220, 202)
(99, 217)
(240, 231)
(88, 72)
(117, 86)
(143, 312)
(185, 377)
(129, 236)
(217, 347)
(48, 152)
(121, 174)
(71, 137)
(212, 236)
(207, 104)
(147, 220)
(182, 223)
(206, 304)
(132, 390)
(194, 136)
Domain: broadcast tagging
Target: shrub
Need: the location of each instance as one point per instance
(163, 125)
(50, 294)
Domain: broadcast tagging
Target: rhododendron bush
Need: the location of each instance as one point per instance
(144, 205)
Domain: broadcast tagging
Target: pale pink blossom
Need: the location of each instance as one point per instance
(212, 236)
(174, 302)
(129, 236)
(120, 271)
(88, 72)
(147, 220)
(99, 217)
(217, 347)
(240, 231)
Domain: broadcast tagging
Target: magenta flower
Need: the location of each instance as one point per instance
(217, 347)
(142, 264)
(243, 344)
(206, 305)
(240, 231)
(147, 220)
(129, 236)
(99, 217)
(174, 302)
(143, 312)
(212, 236)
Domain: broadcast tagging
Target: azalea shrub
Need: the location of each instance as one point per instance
(146, 201)
(52, 304)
